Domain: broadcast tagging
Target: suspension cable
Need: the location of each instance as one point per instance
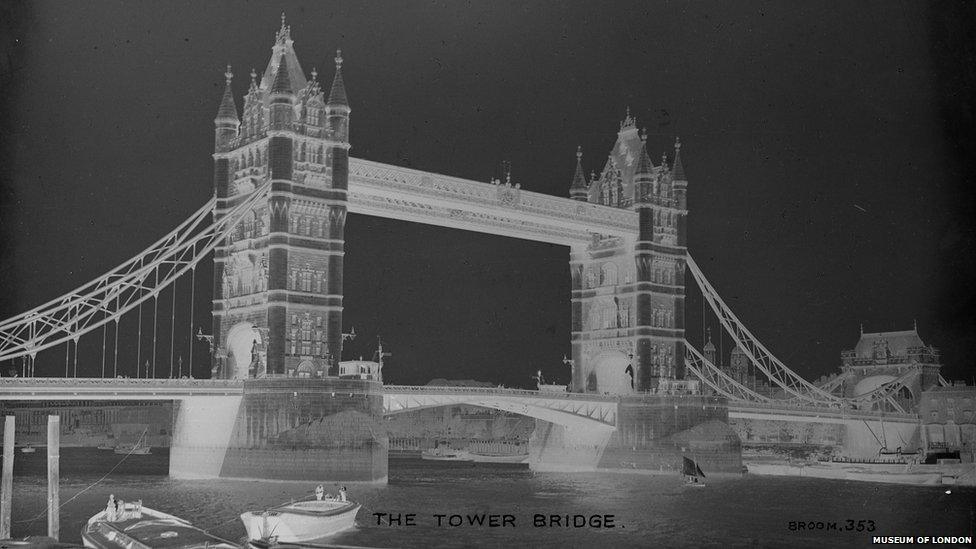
(115, 366)
(155, 315)
(139, 344)
(172, 331)
(193, 274)
(103, 350)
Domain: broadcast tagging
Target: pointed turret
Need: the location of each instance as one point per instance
(282, 82)
(226, 124)
(644, 164)
(679, 183)
(337, 95)
(709, 349)
(579, 190)
(678, 171)
(337, 107)
(228, 108)
(643, 174)
(282, 105)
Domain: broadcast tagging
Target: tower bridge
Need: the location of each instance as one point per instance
(283, 185)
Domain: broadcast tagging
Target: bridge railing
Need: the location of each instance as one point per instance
(42, 382)
(408, 389)
(786, 407)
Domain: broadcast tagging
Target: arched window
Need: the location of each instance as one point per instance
(608, 274)
(302, 156)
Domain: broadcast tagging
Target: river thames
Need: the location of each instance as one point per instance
(647, 510)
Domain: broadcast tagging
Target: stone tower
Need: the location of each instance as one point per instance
(628, 296)
(278, 278)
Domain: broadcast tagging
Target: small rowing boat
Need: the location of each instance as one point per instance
(135, 526)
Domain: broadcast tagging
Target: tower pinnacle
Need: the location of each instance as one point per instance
(677, 171)
(282, 84)
(337, 95)
(579, 190)
(227, 112)
(644, 164)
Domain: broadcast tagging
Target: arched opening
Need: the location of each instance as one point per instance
(612, 373)
(241, 342)
(305, 369)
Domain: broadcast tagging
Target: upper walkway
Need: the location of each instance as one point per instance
(384, 190)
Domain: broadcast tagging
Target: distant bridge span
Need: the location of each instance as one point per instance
(565, 409)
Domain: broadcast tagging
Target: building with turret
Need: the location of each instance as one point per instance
(278, 277)
(628, 296)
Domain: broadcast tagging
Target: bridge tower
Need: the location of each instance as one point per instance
(278, 279)
(628, 296)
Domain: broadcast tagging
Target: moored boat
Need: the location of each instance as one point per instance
(139, 447)
(693, 473)
(28, 449)
(301, 521)
(136, 526)
(497, 458)
(445, 453)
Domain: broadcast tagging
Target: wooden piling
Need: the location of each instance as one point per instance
(7, 484)
(53, 476)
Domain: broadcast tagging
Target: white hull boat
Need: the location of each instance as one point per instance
(301, 521)
(498, 458)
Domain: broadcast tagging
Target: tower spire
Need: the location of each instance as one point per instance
(644, 164)
(337, 95)
(678, 170)
(227, 111)
(579, 190)
(282, 83)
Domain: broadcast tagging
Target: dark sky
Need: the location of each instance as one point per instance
(829, 148)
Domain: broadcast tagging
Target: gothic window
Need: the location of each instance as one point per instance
(313, 116)
(257, 156)
(628, 277)
(294, 341)
(315, 227)
(319, 157)
(302, 157)
(318, 324)
(294, 319)
(306, 281)
(318, 284)
(608, 274)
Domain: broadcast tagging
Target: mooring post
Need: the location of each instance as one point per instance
(53, 476)
(7, 484)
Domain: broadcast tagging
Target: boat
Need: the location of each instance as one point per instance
(27, 449)
(139, 526)
(106, 446)
(496, 458)
(301, 521)
(139, 447)
(445, 453)
(693, 473)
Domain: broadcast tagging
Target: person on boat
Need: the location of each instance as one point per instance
(342, 494)
(319, 492)
(110, 509)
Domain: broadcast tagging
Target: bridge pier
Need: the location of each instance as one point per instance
(320, 430)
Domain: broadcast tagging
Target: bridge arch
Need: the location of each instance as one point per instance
(241, 341)
(559, 410)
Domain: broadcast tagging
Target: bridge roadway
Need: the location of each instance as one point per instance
(560, 408)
